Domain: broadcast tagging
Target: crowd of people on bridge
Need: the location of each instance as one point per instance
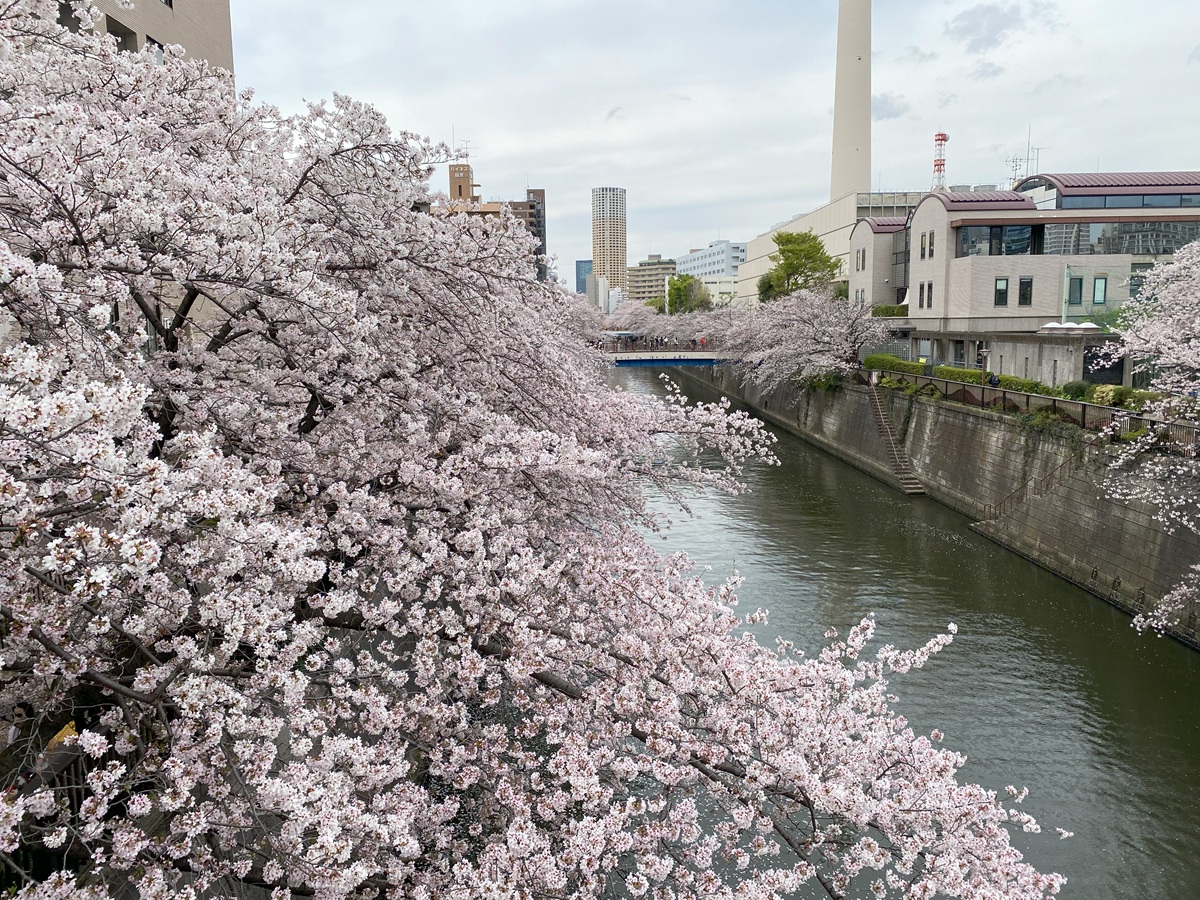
(642, 344)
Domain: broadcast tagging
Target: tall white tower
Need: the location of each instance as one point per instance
(852, 101)
(608, 236)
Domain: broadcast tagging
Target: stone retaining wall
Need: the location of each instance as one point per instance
(972, 459)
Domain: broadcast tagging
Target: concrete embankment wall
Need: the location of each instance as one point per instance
(972, 459)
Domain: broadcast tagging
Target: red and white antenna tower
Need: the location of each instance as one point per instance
(939, 161)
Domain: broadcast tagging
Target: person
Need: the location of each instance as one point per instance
(22, 713)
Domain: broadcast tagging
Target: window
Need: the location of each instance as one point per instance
(931, 245)
(1100, 289)
(929, 297)
(1025, 292)
(922, 296)
(924, 238)
(1137, 277)
(126, 39)
(159, 54)
(1001, 296)
(1082, 202)
(1074, 292)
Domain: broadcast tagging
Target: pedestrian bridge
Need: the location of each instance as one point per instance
(664, 356)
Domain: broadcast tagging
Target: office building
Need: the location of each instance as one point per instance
(608, 236)
(583, 268)
(1059, 248)
(719, 258)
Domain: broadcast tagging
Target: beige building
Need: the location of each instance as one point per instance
(832, 223)
(648, 279)
(202, 27)
(608, 236)
(979, 267)
(531, 211)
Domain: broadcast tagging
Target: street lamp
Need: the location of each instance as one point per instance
(983, 375)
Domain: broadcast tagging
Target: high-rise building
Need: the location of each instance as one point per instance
(583, 268)
(608, 236)
(648, 279)
(202, 27)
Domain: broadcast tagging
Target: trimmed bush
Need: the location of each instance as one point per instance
(887, 362)
(1075, 390)
(885, 311)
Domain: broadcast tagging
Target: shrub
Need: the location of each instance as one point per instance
(885, 311)
(1075, 390)
(1111, 394)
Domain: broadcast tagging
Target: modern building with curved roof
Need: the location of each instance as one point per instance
(1058, 247)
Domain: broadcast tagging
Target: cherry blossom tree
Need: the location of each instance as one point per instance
(1160, 329)
(805, 334)
(321, 554)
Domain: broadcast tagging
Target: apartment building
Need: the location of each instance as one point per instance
(202, 27)
(648, 279)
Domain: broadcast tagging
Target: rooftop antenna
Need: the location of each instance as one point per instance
(1028, 148)
(1015, 163)
(939, 161)
(1037, 159)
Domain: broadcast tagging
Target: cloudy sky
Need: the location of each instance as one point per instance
(716, 116)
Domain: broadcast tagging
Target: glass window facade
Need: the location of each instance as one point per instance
(1131, 201)
(1077, 238)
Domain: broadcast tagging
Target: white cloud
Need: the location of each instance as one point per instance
(888, 106)
(985, 26)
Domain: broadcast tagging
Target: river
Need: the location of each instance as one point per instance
(1045, 686)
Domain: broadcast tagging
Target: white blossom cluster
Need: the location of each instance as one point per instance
(1160, 331)
(320, 553)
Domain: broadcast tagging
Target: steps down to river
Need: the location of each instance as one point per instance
(900, 463)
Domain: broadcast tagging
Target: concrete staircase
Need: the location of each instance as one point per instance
(897, 458)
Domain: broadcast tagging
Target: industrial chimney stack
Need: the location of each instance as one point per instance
(851, 170)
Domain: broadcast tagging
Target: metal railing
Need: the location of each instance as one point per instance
(1115, 421)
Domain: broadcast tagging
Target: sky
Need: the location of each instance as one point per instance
(716, 116)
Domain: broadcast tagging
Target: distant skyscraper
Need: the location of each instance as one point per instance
(583, 268)
(608, 236)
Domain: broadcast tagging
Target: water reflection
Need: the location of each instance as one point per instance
(1045, 685)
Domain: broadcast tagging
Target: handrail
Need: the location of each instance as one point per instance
(1040, 484)
(1091, 416)
(887, 431)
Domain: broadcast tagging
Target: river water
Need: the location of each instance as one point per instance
(1045, 686)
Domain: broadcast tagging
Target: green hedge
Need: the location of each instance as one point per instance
(891, 363)
(888, 312)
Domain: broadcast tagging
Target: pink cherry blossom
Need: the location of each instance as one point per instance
(319, 523)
